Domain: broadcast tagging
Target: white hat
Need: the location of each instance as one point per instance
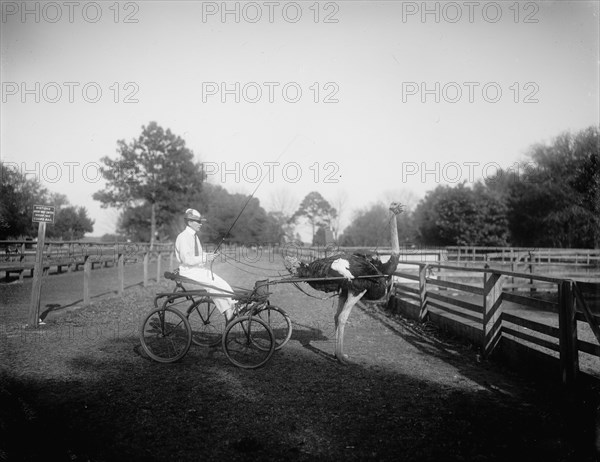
(194, 215)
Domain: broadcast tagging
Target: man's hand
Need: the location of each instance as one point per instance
(211, 256)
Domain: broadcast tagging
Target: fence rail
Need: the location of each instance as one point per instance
(571, 263)
(483, 307)
(19, 256)
(72, 255)
(489, 293)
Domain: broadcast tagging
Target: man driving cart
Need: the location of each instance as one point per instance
(194, 263)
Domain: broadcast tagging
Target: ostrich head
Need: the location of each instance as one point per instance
(396, 208)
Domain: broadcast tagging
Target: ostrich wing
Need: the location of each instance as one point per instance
(354, 267)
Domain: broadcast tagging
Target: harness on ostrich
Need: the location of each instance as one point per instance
(352, 267)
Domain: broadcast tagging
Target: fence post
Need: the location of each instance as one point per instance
(158, 261)
(146, 258)
(70, 256)
(121, 270)
(492, 311)
(423, 311)
(513, 268)
(87, 272)
(567, 324)
(38, 273)
(531, 289)
(170, 260)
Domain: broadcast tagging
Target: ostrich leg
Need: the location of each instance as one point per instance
(345, 305)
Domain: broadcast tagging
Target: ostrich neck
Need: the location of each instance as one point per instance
(394, 233)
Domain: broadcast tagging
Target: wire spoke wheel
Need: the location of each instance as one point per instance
(279, 322)
(165, 335)
(248, 342)
(207, 323)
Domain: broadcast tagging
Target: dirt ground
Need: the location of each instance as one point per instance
(79, 388)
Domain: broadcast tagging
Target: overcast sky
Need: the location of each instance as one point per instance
(363, 100)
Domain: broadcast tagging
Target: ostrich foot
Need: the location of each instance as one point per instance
(342, 358)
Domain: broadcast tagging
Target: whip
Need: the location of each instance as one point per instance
(246, 205)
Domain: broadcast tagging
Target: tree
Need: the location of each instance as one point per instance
(461, 216)
(70, 223)
(586, 182)
(370, 228)
(556, 201)
(339, 203)
(279, 229)
(281, 203)
(222, 209)
(18, 195)
(316, 210)
(154, 174)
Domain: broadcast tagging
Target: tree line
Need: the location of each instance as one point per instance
(18, 195)
(551, 200)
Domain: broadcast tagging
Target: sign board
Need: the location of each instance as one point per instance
(43, 214)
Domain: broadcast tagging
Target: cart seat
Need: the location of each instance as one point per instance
(174, 276)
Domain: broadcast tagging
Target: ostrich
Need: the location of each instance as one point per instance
(353, 267)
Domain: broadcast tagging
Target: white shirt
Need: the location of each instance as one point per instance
(185, 250)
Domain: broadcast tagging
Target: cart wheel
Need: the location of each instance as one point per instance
(279, 322)
(248, 342)
(166, 335)
(207, 323)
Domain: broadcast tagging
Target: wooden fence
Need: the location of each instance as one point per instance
(581, 264)
(493, 309)
(521, 254)
(19, 257)
(563, 263)
(547, 300)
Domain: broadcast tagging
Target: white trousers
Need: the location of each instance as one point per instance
(205, 277)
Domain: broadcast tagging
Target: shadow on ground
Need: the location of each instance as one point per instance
(119, 405)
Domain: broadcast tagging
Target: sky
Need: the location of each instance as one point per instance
(360, 101)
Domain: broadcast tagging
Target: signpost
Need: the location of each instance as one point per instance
(42, 214)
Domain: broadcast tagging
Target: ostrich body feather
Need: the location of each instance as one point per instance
(345, 265)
